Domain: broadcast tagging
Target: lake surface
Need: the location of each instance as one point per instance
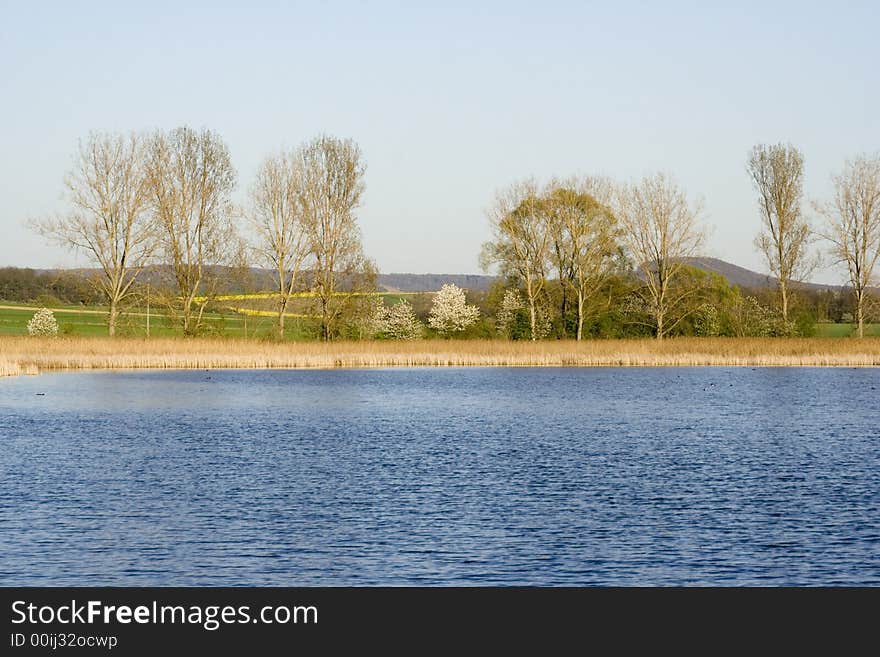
(441, 476)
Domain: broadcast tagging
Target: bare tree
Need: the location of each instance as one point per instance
(330, 189)
(660, 228)
(109, 222)
(277, 216)
(584, 238)
(190, 178)
(777, 173)
(853, 226)
(521, 242)
(557, 202)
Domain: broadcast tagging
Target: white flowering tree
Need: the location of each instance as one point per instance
(43, 323)
(399, 322)
(450, 313)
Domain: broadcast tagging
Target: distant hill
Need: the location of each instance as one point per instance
(746, 278)
(433, 282)
(262, 279)
(734, 274)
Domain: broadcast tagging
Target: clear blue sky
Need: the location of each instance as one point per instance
(448, 101)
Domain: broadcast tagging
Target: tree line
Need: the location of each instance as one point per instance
(47, 288)
(571, 253)
(572, 249)
(166, 198)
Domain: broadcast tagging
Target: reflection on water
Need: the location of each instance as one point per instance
(441, 476)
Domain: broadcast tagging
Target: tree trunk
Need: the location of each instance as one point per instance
(860, 314)
(325, 321)
(659, 325)
(282, 308)
(580, 315)
(188, 328)
(783, 288)
(111, 319)
(533, 318)
(563, 310)
(187, 316)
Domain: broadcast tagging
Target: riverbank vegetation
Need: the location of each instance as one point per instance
(32, 354)
(820, 313)
(579, 258)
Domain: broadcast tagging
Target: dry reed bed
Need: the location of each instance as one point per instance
(22, 355)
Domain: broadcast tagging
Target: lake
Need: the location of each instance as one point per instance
(464, 476)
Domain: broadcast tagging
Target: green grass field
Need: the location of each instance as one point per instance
(91, 320)
(81, 321)
(845, 330)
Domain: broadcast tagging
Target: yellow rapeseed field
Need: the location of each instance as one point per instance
(24, 354)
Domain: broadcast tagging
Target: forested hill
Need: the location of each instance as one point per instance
(735, 275)
(746, 278)
(431, 282)
(71, 285)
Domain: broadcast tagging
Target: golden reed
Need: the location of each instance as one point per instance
(30, 355)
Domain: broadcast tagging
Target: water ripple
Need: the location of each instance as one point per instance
(453, 476)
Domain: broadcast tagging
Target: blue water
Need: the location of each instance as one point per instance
(441, 476)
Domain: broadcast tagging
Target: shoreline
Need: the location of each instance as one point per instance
(23, 355)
